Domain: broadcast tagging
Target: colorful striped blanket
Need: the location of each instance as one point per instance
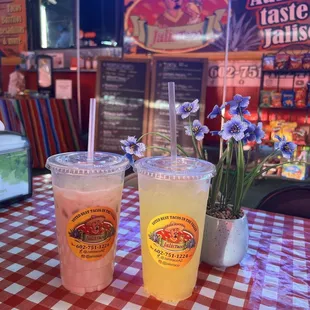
(51, 125)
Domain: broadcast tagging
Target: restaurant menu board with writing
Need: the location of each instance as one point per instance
(122, 94)
(189, 76)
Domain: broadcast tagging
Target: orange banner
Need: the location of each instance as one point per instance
(13, 27)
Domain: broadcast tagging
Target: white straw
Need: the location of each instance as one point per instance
(225, 70)
(78, 57)
(91, 130)
(173, 123)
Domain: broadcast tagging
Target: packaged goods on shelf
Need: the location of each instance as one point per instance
(288, 98)
(286, 62)
(268, 130)
(276, 99)
(282, 62)
(306, 61)
(276, 129)
(296, 62)
(300, 135)
(295, 171)
(268, 62)
(273, 169)
(300, 97)
(265, 98)
(288, 129)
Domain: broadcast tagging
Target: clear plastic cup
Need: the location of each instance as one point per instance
(173, 201)
(87, 199)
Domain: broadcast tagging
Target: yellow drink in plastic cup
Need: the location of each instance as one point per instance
(173, 202)
(87, 197)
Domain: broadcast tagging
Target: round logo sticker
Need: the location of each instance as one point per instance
(91, 232)
(172, 239)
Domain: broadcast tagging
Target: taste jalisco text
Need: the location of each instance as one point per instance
(284, 24)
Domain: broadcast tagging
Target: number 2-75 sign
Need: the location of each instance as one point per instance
(239, 73)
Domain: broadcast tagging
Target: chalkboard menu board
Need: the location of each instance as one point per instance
(122, 96)
(189, 75)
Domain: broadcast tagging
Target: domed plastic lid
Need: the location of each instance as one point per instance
(76, 163)
(185, 168)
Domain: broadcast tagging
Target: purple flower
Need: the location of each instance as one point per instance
(287, 148)
(234, 128)
(238, 111)
(131, 147)
(187, 108)
(259, 133)
(249, 135)
(239, 102)
(253, 133)
(216, 111)
(130, 158)
(198, 130)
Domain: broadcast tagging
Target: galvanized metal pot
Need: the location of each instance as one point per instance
(225, 242)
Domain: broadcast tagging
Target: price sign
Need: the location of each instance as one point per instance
(239, 73)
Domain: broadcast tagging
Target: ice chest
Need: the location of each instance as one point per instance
(15, 168)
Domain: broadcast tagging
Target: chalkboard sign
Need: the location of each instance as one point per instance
(189, 76)
(122, 97)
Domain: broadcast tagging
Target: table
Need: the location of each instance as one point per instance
(275, 274)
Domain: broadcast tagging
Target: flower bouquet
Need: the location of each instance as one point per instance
(231, 182)
(229, 186)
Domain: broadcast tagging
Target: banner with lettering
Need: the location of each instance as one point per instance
(13, 27)
(174, 26)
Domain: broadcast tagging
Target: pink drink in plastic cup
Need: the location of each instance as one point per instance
(87, 199)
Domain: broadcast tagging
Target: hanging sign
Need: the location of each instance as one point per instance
(174, 26)
(13, 27)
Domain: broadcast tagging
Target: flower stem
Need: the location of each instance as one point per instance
(240, 179)
(164, 137)
(228, 164)
(159, 148)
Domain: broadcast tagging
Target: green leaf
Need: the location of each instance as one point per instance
(258, 167)
(180, 148)
(255, 172)
(217, 180)
(228, 164)
(240, 178)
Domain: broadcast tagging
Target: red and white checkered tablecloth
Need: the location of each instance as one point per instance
(275, 274)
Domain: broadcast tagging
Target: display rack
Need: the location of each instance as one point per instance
(291, 50)
(281, 111)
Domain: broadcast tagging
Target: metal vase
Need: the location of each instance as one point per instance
(225, 242)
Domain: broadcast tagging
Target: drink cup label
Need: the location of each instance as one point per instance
(91, 232)
(172, 239)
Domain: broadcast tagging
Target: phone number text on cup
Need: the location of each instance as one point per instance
(170, 255)
(92, 247)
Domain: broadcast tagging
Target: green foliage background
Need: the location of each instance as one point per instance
(13, 167)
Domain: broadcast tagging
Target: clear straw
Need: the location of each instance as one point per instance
(173, 123)
(225, 71)
(91, 130)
